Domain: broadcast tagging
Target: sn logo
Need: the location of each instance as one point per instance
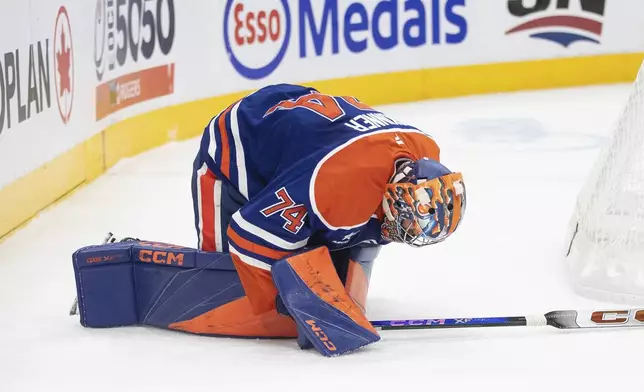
(564, 22)
(519, 7)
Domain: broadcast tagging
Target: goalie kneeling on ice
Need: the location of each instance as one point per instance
(178, 288)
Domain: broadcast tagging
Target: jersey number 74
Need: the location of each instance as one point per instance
(292, 213)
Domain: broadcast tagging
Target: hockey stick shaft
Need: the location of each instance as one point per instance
(561, 319)
(449, 323)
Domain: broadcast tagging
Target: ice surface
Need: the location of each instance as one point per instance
(524, 157)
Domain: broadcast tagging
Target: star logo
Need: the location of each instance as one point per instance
(63, 57)
(345, 240)
(64, 65)
(349, 236)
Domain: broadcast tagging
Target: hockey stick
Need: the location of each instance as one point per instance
(562, 319)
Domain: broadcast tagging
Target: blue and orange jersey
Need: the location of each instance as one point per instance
(313, 168)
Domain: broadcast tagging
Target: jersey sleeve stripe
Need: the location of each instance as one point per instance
(242, 178)
(212, 144)
(205, 189)
(248, 253)
(225, 149)
(200, 173)
(266, 236)
(219, 243)
(250, 260)
(253, 239)
(250, 246)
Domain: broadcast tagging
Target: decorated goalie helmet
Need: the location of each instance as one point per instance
(424, 203)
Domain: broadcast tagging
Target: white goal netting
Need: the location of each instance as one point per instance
(605, 251)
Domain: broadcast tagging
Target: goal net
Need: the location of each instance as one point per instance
(605, 253)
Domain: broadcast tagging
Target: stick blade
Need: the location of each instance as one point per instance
(570, 319)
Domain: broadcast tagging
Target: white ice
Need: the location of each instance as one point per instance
(524, 157)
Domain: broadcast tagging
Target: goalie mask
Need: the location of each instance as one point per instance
(423, 204)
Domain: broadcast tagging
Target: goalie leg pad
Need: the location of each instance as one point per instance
(353, 266)
(318, 302)
(167, 286)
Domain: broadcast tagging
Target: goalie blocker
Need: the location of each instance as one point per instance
(321, 294)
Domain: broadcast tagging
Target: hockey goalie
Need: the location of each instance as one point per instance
(294, 193)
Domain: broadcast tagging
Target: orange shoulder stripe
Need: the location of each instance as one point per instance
(225, 147)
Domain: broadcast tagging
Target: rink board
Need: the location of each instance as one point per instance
(80, 102)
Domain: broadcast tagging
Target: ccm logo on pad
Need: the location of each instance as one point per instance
(160, 257)
(321, 335)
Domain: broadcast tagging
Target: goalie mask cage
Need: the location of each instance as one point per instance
(605, 247)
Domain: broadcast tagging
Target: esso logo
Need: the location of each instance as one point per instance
(256, 35)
